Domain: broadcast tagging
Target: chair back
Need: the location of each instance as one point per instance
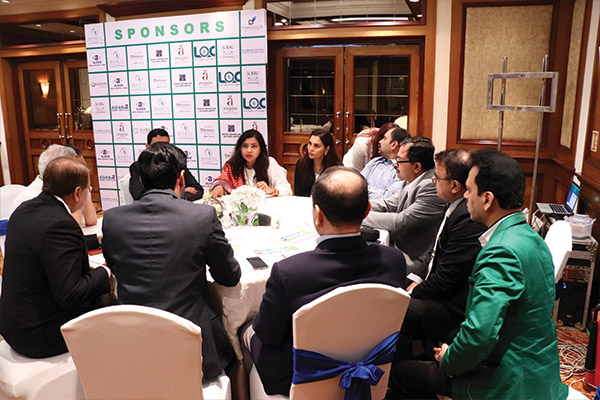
(125, 196)
(136, 352)
(8, 194)
(560, 243)
(346, 324)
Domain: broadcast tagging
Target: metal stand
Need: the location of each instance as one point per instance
(540, 108)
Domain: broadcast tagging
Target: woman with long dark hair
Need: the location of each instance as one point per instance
(319, 155)
(251, 165)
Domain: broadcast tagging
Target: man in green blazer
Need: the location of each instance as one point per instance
(506, 348)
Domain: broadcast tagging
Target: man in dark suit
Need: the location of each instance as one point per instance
(193, 190)
(413, 214)
(47, 278)
(437, 304)
(159, 247)
(342, 257)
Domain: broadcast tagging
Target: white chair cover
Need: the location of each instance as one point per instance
(575, 395)
(8, 194)
(124, 193)
(135, 352)
(345, 324)
(560, 243)
(37, 378)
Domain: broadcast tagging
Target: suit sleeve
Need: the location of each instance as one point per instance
(136, 188)
(460, 252)
(272, 324)
(384, 216)
(223, 266)
(63, 254)
(190, 181)
(497, 282)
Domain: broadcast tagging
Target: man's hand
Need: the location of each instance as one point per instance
(192, 190)
(439, 352)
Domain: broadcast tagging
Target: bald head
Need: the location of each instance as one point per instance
(342, 194)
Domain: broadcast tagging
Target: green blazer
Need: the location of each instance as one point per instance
(506, 347)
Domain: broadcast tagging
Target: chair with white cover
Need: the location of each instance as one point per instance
(27, 378)
(344, 324)
(8, 193)
(136, 352)
(125, 195)
(560, 243)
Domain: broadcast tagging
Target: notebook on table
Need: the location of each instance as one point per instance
(562, 209)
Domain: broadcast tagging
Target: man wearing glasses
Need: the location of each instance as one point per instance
(412, 215)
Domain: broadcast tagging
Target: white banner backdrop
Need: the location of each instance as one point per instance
(200, 77)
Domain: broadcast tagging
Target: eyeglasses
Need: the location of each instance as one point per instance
(401, 161)
(435, 179)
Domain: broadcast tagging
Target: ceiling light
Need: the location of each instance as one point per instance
(366, 19)
(283, 20)
(278, 24)
(45, 87)
(419, 15)
(38, 25)
(414, 1)
(72, 31)
(5, 1)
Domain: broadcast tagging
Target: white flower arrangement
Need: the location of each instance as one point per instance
(243, 204)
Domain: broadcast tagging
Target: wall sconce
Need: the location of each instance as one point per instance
(45, 86)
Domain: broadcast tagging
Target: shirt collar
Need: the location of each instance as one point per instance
(485, 237)
(453, 206)
(327, 237)
(416, 181)
(65, 204)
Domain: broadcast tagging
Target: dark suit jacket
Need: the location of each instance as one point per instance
(136, 187)
(158, 248)
(456, 251)
(47, 278)
(300, 279)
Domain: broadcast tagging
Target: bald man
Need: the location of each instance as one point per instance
(340, 202)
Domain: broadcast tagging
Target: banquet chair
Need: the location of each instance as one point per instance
(27, 378)
(344, 324)
(124, 194)
(136, 352)
(560, 243)
(8, 193)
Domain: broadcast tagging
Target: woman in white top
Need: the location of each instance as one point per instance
(251, 165)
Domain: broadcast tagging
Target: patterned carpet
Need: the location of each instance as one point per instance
(572, 347)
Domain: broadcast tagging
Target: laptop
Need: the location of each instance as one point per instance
(562, 209)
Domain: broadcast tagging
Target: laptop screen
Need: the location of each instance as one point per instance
(572, 197)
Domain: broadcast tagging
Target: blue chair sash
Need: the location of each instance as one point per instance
(356, 378)
(3, 225)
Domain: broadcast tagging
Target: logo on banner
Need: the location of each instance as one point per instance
(255, 104)
(94, 32)
(107, 178)
(121, 127)
(229, 101)
(105, 155)
(119, 107)
(230, 128)
(208, 152)
(205, 51)
(180, 50)
(99, 84)
(254, 126)
(205, 76)
(252, 27)
(116, 55)
(181, 77)
(251, 21)
(159, 53)
(96, 58)
(230, 77)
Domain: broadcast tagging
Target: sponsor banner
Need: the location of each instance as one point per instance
(98, 84)
(100, 108)
(254, 51)
(229, 79)
(228, 52)
(167, 125)
(230, 130)
(254, 78)
(230, 105)
(158, 56)
(103, 132)
(208, 130)
(205, 53)
(140, 130)
(205, 79)
(256, 124)
(254, 105)
(140, 107)
(121, 131)
(123, 155)
(117, 58)
(119, 108)
(181, 54)
(105, 155)
(137, 57)
(207, 178)
(206, 106)
(160, 81)
(138, 82)
(252, 23)
(94, 35)
(161, 106)
(183, 106)
(192, 158)
(183, 80)
(226, 154)
(118, 83)
(96, 60)
(137, 150)
(110, 199)
(107, 178)
(209, 157)
(185, 131)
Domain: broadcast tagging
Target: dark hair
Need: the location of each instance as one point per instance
(342, 201)
(399, 135)
(378, 136)
(457, 163)
(76, 149)
(421, 151)
(500, 174)
(64, 174)
(160, 165)
(261, 165)
(305, 175)
(156, 132)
